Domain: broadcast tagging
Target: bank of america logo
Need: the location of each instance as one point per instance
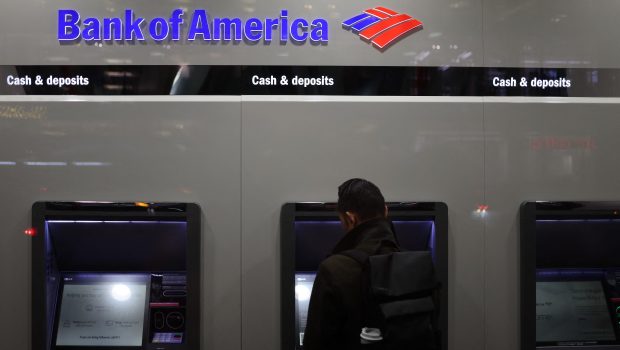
(382, 26)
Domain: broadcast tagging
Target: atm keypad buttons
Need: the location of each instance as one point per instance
(168, 338)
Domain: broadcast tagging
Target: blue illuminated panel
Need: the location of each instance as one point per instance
(590, 243)
(113, 245)
(314, 240)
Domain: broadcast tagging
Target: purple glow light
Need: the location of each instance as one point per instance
(334, 222)
(431, 242)
(580, 220)
(571, 272)
(112, 222)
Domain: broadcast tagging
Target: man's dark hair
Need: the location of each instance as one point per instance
(361, 197)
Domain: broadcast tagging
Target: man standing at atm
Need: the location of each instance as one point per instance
(335, 312)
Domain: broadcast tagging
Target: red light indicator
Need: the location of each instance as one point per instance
(482, 208)
(30, 232)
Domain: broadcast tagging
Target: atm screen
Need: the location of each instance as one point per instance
(102, 310)
(572, 311)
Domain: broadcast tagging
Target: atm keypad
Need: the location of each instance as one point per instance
(168, 338)
(167, 308)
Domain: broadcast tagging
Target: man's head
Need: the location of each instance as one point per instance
(359, 200)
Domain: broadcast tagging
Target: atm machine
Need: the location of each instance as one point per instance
(309, 231)
(109, 276)
(570, 275)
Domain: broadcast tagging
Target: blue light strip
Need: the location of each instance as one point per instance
(432, 242)
(112, 222)
(334, 222)
(580, 220)
(571, 273)
(105, 274)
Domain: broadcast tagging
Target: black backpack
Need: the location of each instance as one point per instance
(400, 296)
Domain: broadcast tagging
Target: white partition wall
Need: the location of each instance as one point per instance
(301, 149)
(538, 149)
(111, 149)
(241, 158)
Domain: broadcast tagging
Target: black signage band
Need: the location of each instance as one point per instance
(308, 80)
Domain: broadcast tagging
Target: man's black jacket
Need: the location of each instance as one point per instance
(335, 311)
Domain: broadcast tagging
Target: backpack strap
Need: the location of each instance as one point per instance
(368, 313)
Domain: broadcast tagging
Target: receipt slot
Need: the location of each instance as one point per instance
(570, 275)
(309, 231)
(115, 276)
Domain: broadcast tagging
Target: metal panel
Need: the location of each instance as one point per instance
(451, 34)
(301, 149)
(538, 149)
(553, 33)
(123, 151)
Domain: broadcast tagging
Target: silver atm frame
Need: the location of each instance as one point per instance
(43, 211)
(529, 212)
